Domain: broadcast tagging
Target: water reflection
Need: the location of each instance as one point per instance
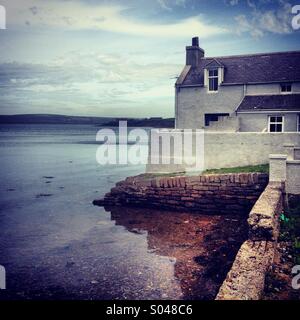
(202, 246)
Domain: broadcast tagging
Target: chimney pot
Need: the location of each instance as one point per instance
(195, 42)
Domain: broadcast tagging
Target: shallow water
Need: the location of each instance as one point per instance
(55, 244)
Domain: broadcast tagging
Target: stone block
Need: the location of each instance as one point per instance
(263, 218)
(246, 279)
(182, 182)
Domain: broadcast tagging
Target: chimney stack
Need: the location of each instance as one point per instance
(194, 53)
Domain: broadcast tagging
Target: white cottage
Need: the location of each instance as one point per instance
(248, 93)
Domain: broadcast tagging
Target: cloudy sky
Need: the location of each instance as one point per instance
(120, 57)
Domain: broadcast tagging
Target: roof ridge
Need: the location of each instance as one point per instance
(253, 54)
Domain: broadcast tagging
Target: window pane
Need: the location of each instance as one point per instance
(279, 119)
(213, 72)
(279, 128)
(210, 117)
(215, 84)
(286, 87)
(272, 119)
(210, 84)
(213, 117)
(272, 128)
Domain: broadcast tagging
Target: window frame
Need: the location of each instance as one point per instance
(214, 77)
(275, 123)
(208, 117)
(285, 85)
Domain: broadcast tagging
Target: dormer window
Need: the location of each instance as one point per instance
(286, 87)
(213, 76)
(213, 80)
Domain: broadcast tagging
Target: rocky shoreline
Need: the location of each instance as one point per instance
(238, 194)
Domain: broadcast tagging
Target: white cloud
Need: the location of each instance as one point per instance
(163, 4)
(232, 2)
(260, 22)
(244, 25)
(251, 4)
(169, 4)
(74, 15)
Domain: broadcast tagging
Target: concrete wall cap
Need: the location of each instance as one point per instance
(278, 156)
(293, 162)
(288, 145)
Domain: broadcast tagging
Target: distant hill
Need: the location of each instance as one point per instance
(144, 122)
(52, 119)
(99, 121)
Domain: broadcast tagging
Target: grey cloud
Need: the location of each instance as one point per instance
(34, 10)
(85, 80)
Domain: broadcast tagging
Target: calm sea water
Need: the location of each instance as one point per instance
(55, 244)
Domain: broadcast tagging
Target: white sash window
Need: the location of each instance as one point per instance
(276, 124)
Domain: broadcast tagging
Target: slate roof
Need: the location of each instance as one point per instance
(290, 102)
(255, 68)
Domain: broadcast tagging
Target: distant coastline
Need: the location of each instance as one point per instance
(155, 122)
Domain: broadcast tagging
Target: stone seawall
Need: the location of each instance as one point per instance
(246, 279)
(210, 194)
